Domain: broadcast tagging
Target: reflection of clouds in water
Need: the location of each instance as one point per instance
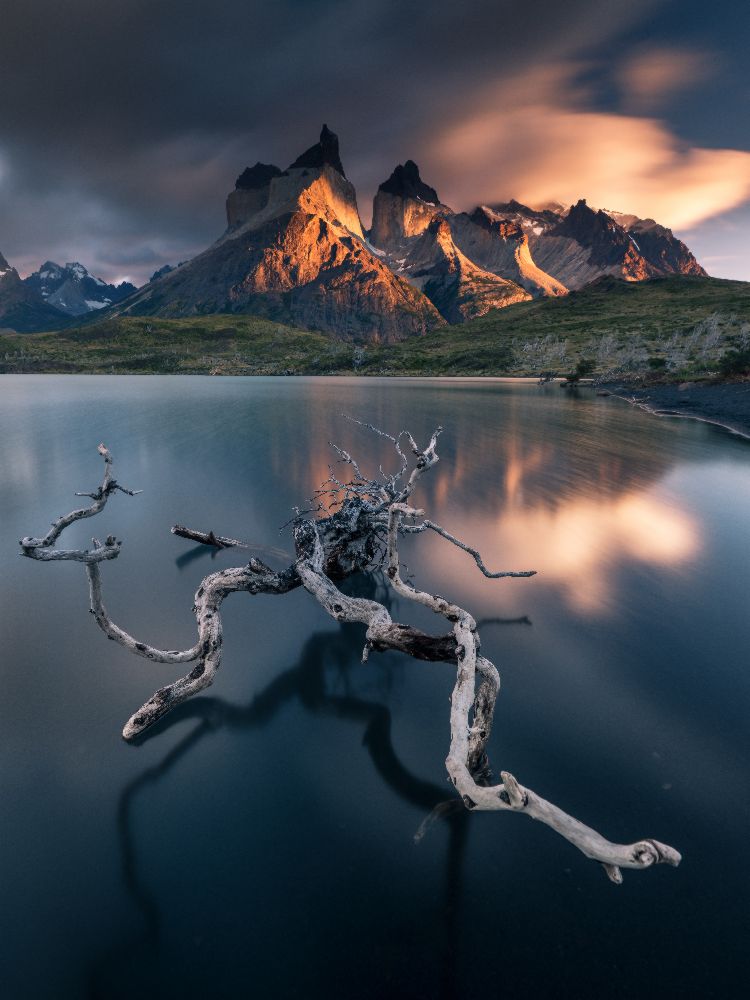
(18, 464)
(536, 490)
(576, 546)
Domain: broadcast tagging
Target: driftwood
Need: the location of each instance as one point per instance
(361, 535)
(222, 542)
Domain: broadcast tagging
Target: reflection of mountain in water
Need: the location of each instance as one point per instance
(532, 486)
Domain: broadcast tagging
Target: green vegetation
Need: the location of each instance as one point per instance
(231, 345)
(735, 362)
(672, 328)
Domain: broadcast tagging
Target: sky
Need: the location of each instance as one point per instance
(124, 125)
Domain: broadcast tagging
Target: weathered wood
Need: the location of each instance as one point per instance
(223, 542)
(361, 535)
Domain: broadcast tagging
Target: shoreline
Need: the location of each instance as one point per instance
(725, 405)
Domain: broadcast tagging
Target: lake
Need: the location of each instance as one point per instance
(260, 841)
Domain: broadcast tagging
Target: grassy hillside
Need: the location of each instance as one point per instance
(681, 324)
(676, 327)
(237, 345)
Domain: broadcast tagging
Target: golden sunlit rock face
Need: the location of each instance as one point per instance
(295, 251)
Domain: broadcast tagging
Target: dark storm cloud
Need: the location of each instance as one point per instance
(124, 125)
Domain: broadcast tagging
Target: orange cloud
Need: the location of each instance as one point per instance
(534, 138)
(651, 74)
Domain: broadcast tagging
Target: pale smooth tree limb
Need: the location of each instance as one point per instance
(360, 535)
(469, 736)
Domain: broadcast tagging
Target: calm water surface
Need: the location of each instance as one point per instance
(260, 842)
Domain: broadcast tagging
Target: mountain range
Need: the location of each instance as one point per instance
(295, 251)
(49, 298)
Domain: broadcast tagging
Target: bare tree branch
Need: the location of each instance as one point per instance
(361, 535)
(223, 542)
(416, 529)
(41, 548)
(469, 738)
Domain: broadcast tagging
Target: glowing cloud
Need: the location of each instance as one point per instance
(534, 138)
(651, 74)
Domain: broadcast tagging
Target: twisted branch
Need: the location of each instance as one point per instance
(360, 535)
(469, 737)
(41, 548)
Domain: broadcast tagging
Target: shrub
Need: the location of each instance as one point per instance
(735, 362)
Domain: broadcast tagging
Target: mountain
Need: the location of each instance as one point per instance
(502, 246)
(22, 308)
(580, 244)
(662, 248)
(74, 291)
(458, 288)
(545, 251)
(295, 252)
(403, 207)
(425, 241)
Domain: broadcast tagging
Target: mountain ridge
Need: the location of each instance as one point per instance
(295, 251)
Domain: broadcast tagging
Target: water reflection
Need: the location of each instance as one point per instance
(626, 696)
(575, 546)
(324, 667)
(308, 682)
(531, 495)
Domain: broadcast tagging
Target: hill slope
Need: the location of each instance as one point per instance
(677, 326)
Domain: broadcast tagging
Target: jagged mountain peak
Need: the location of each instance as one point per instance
(324, 152)
(259, 176)
(72, 269)
(314, 184)
(295, 250)
(49, 269)
(588, 225)
(22, 308)
(501, 245)
(583, 211)
(536, 220)
(405, 182)
(494, 222)
(73, 290)
(404, 207)
(458, 287)
(513, 207)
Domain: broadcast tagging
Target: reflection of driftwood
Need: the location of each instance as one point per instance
(361, 535)
(308, 683)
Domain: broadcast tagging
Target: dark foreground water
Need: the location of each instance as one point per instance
(260, 843)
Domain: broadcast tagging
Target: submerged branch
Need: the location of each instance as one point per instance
(223, 542)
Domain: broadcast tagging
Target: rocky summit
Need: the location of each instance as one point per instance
(74, 291)
(22, 308)
(577, 245)
(295, 251)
